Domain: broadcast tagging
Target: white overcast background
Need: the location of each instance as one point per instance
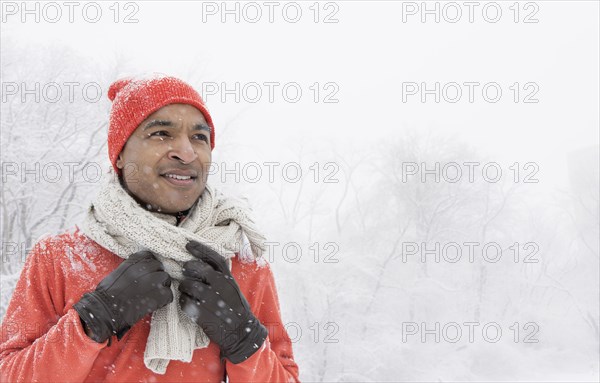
(372, 311)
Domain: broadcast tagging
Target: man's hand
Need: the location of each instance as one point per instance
(212, 298)
(137, 287)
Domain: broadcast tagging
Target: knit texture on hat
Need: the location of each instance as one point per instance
(134, 99)
(118, 223)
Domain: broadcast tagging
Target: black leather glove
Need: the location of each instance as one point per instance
(137, 287)
(212, 298)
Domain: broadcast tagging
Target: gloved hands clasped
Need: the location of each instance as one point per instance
(211, 297)
(138, 286)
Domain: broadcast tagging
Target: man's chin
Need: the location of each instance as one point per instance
(174, 209)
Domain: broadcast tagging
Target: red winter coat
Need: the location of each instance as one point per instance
(42, 339)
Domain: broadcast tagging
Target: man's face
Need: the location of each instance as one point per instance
(165, 161)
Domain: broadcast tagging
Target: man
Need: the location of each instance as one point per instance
(165, 281)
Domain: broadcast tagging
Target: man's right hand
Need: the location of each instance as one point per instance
(137, 287)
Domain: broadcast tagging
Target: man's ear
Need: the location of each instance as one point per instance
(119, 162)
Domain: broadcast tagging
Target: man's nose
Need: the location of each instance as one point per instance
(182, 150)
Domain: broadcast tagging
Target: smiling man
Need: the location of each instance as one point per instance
(165, 281)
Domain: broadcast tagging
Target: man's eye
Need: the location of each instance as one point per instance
(201, 137)
(160, 133)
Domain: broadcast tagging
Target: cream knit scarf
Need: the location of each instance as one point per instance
(118, 223)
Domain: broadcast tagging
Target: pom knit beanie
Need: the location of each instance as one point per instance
(134, 99)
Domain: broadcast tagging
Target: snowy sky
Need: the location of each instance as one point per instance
(369, 53)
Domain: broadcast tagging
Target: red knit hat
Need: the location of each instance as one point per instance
(134, 99)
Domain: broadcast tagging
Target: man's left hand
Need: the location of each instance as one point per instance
(211, 297)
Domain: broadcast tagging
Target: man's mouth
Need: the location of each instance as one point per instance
(180, 178)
